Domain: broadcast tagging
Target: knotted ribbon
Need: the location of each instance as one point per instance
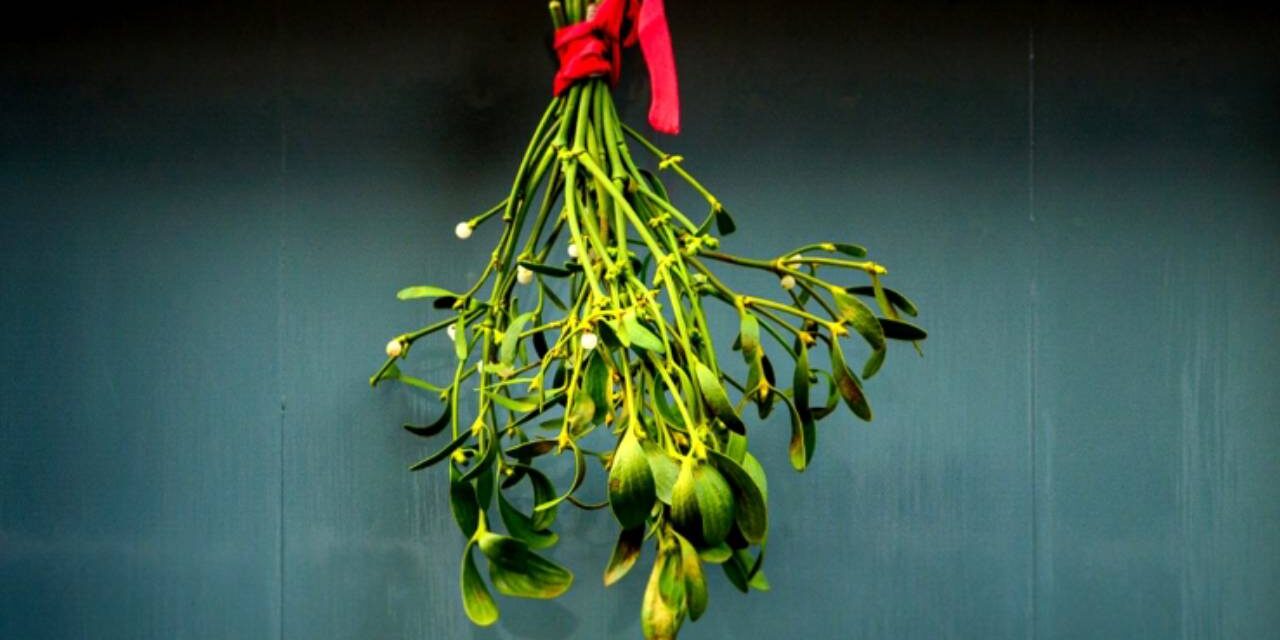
(594, 48)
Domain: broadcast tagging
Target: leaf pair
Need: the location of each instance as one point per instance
(514, 571)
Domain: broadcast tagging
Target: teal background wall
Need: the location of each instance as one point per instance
(205, 211)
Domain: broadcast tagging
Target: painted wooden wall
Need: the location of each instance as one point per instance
(206, 208)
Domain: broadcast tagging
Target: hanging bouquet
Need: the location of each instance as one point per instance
(613, 346)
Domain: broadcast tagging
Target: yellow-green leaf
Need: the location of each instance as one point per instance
(716, 398)
(702, 506)
(413, 293)
(694, 580)
(848, 385)
(476, 600)
(516, 571)
(625, 553)
(521, 526)
(749, 509)
(631, 486)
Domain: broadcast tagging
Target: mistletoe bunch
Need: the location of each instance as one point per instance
(613, 346)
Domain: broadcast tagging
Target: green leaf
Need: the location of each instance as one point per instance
(662, 612)
(716, 554)
(725, 226)
(484, 462)
(463, 504)
(694, 580)
(850, 249)
(443, 453)
(460, 347)
(803, 429)
(665, 472)
(848, 385)
(414, 293)
(426, 431)
(521, 526)
(545, 269)
(736, 446)
(638, 335)
(476, 600)
(899, 330)
(799, 450)
(749, 509)
(543, 492)
(518, 405)
(716, 398)
(597, 385)
(579, 472)
(516, 571)
(898, 300)
(526, 451)
(756, 471)
(511, 338)
(625, 553)
(858, 314)
(702, 506)
(631, 484)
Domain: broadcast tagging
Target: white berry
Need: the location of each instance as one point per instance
(523, 275)
(395, 348)
(588, 341)
(463, 230)
(573, 250)
(788, 282)
(452, 330)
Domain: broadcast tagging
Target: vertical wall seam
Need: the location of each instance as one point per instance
(1033, 331)
(281, 325)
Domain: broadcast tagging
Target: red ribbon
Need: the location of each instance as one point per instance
(594, 48)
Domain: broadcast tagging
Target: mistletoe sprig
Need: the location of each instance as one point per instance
(616, 340)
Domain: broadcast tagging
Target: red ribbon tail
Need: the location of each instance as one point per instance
(655, 44)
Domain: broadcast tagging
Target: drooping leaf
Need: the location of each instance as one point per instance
(898, 300)
(428, 430)
(803, 429)
(638, 335)
(665, 472)
(484, 462)
(526, 451)
(518, 405)
(662, 612)
(702, 506)
(749, 509)
(443, 453)
(848, 385)
(521, 526)
(694, 580)
(579, 472)
(899, 330)
(756, 471)
(511, 339)
(631, 484)
(414, 293)
(597, 385)
(716, 398)
(517, 571)
(724, 226)
(476, 600)
(460, 338)
(545, 269)
(625, 553)
(543, 492)
(463, 503)
(716, 554)
(857, 314)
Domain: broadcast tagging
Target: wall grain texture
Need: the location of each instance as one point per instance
(205, 211)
